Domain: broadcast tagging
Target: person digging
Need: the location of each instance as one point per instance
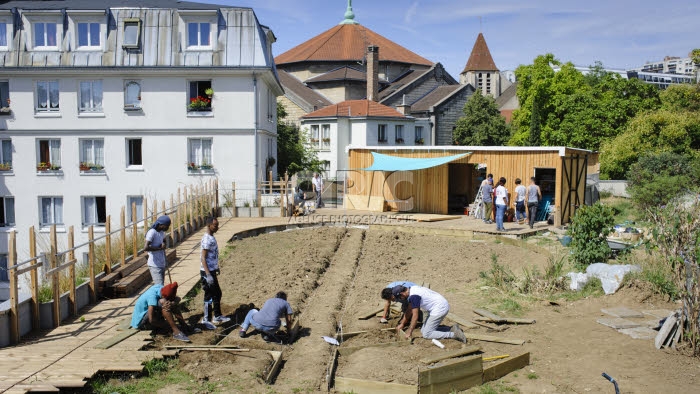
(389, 298)
(267, 319)
(157, 308)
(436, 308)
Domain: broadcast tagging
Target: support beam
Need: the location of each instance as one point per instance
(452, 354)
(503, 368)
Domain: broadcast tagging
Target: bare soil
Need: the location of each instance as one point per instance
(332, 275)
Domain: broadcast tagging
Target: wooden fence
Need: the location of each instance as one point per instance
(190, 208)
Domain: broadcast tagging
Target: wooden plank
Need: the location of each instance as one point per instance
(201, 346)
(491, 316)
(116, 339)
(454, 376)
(451, 354)
(490, 327)
(503, 368)
(348, 335)
(350, 350)
(277, 356)
(490, 338)
(492, 358)
(461, 321)
(370, 315)
(209, 349)
(360, 386)
(508, 320)
(331, 370)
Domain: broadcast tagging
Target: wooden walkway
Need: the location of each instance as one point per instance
(66, 356)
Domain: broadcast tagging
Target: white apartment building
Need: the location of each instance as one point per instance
(103, 106)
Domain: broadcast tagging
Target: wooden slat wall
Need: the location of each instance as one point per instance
(577, 189)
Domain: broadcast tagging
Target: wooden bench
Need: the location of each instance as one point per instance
(130, 278)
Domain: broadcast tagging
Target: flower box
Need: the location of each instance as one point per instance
(199, 103)
(6, 166)
(420, 141)
(5, 111)
(399, 140)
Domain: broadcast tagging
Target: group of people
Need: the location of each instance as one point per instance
(529, 197)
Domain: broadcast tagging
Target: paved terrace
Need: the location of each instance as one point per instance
(66, 356)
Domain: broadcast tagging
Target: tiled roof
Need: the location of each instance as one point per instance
(340, 74)
(412, 77)
(507, 95)
(103, 4)
(480, 58)
(436, 96)
(301, 94)
(352, 108)
(349, 43)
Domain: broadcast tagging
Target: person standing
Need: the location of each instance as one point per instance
(267, 319)
(155, 246)
(520, 196)
(501, 203)
(487, 199)
(318, 188)
(209, 272)
(436, 307)
(534, 195)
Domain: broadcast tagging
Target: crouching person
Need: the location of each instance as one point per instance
(267, 319)
(389, 298)
(436, 308)
(157, 307)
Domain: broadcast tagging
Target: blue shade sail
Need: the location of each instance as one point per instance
(393, 163)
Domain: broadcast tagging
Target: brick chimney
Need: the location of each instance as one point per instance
(373, 73)
(403, 107)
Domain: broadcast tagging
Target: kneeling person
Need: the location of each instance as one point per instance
(157, 308)
(389, 298)
(267, 319)
(434, 304)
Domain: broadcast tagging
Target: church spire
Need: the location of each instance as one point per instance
(349, 16)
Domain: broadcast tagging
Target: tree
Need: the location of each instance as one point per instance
(588, 230)
(695, 56)
(681, 98)
(482, 123)
(658, 178)
(294, 152)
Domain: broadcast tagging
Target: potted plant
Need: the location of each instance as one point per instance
(97, 167)
(6, 166)
(199, 103)
(420, 141)
(399, 140)
(206, 166)
(54, 167)
(327, 139)
(43, 166)
(209, 92)
(6, 110)
(191, 166)
(314, 140)
(84, 166)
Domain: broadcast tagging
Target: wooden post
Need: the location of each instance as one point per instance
(72, 302)
(14, 291)
(55, 278)
(184, 208)
(154, 214)
(35, 280)
(286, 194)
(145, 211)
(108, 245)
(122, 236)
(216, 198)
(234, 211)
(178, 209)
(172, 217)
(134, 232)
(91, 263)
(271, 182)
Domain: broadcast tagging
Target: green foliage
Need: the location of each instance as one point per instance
(658, 178)
(482, 123)
(498, 276)
(294, 152)
(681, 98)
(588, 230)
(155, 366)
(532, 375)
(568, 108)
(649, 133)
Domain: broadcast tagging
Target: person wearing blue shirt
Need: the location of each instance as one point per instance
(267, 319)
(157, 308)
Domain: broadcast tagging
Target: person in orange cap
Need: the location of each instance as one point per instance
(157, 308)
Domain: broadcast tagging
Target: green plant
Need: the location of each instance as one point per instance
(532, 375)
(209, 92)
(199, 103)
(588, 230)
(156, 365)
(656, 179)
(498, 276)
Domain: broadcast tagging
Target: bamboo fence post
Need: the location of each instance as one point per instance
(91, 263)
(134, 232)
(14, 291)
(122, 236)
(35, 280)
(55, 278)
(71, 272)
(108, 245)
(234, 211)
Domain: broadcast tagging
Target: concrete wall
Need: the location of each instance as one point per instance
(617, 188)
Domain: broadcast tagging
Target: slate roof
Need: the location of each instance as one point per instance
(340, 74)
(436, 96)
(480, 58)
(507, 95)
(104, 4)
(348, 43)
(300, 94)
(353, 108)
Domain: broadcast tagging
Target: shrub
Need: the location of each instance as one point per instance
(588, 230)
(658, 178)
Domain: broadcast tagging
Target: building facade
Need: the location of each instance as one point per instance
(106, 107)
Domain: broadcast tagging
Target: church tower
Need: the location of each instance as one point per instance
(481, 71)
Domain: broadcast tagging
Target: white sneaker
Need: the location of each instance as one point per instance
(208, 325)
(221, 319)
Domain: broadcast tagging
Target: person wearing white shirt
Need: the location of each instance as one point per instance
(318, 188)
(501, 203)
(434, 305)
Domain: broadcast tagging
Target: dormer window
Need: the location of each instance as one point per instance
(198, 35)
(132, 33)
(45, 35)
(4, 39)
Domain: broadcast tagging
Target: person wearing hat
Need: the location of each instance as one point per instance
(209, 277)
(157, 307)
(436, 307)
(267, 319)
(389, 298)
(155, 246)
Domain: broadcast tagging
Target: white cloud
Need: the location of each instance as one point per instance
(410, 12)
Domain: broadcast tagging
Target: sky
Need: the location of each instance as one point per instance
(622, 34)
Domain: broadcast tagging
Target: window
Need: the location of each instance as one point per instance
(3, 35)
(45, 35)
(94, 211)
(326, 136)
(47, 96)
(314, 136)
(198, 98)
(132, 33)
(50, 153)
(6, 154)
(271, 106)
(51, 210)
(92, 153)
(133, 152)
(7, 211)
(4, 277)
(89, 35)
(200, 151)
(138, 200)
(5, 94)
(419, 134)
(132, 95)
(398, 130)
(381, 133)
(326, 169)
(198, 35)
(91, 96)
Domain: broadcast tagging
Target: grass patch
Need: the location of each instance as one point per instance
(494, 388)
(157, 375)
(594, 288)
(623, 208)
(655, 272)
(532, 376)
